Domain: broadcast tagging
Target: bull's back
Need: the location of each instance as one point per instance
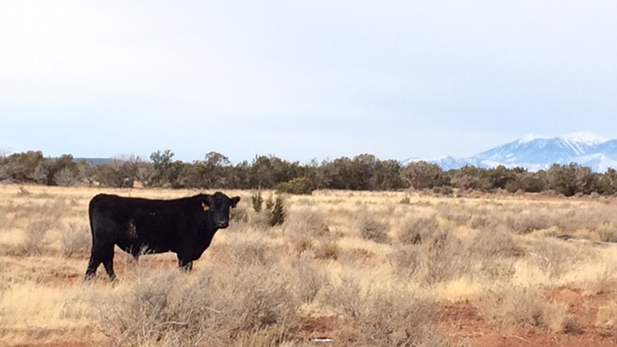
(135, 222)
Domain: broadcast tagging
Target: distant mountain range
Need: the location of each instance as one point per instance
(538, 153)
(95, 161)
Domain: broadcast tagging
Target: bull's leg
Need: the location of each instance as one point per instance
(92, 265)
(107, 257)
(186, 265)
(96, 258)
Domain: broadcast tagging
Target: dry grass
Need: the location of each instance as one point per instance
(376, 267)
(76, 239)
(520, 307)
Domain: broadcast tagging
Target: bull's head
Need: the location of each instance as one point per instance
(218, 205)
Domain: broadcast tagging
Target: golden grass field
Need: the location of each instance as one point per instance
(358, 268)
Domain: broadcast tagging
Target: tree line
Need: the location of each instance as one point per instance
(362, 172)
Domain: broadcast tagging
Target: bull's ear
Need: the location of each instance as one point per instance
(234, 201)
(205, 206)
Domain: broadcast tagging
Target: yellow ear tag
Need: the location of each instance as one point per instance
(205, 207)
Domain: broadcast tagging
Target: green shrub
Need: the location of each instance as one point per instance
(277, 212)
(299, 185)
(443, 190)
(269, 203)
(257, 201)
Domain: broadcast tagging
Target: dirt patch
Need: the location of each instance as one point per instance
(544, 340)
(44, 270)
(582, 306)
(317, 328)
(463, 322)
(572, 297)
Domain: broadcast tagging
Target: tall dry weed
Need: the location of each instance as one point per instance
(443, 258)
(246, 253)
(349, 297)
(213, 308)
(384, 315)
(75, 239)
(607, 317)
(530, 221)
(516, 308)
(4, 221)
(406, 261)
(607, 232)
(327, 249)
(374, 230)
(555, 257)
(239, 215)
(606, 280)
(496, 242)
(308, 222)
(309, 278)
(416, 229)
(33, 240)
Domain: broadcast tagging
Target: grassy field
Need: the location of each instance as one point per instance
(355, 268)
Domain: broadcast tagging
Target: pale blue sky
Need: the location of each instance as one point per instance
(302, 79)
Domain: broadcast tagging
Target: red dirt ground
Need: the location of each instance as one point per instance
(462, 321)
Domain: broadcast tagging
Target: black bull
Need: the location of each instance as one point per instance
(184, 226)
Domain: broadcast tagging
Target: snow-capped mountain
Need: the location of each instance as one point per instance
(537, 153)
(447, 162)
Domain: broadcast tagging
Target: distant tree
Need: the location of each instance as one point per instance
(216, 159)
(66, 161)
(339, 174)
(423, 175)
(22, 166)
(44, 172)
(65, 177)
(145, 173)
(314, 174)
(388, 175)
(472, 178)
(587, 181)
(500, 177)
(4, 172)
(268, 171)
(607, 183)
(525, 181)
(364, 167)
(563, 179)
(299, 185)
(166, 171)
(213, 172)
(120, 172)
(64, 171)
(88, 171)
